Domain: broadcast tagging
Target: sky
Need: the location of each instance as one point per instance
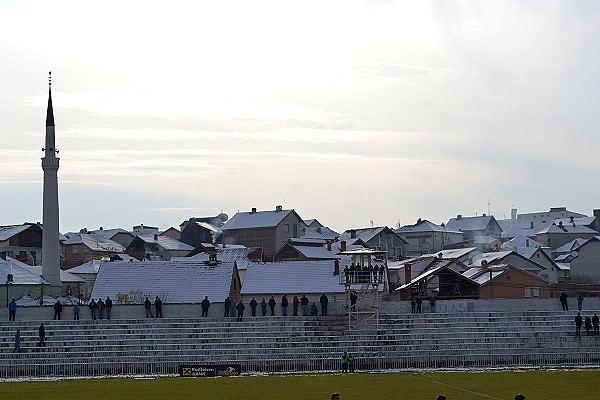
(352, 112)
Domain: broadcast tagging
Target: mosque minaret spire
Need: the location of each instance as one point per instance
(50, 238)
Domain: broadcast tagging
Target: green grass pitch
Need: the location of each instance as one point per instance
(535, 384)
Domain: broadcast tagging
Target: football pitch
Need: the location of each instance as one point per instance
(534, 384)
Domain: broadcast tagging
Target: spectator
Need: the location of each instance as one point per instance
(563, 301)
(93, 306)
(413, 304)
(588, 325)
(227, 305)
(108, 303)
(350, 363)
(240, 310)
(580, 301)
(42, 335)
(304, 304)
(441, 397)
(419, 301)
(284, 305)
(17, 348)
(148, 307)
(295, 303)
(57, 309)
(323, 300)
(76, 312)
(101, 307)
(253, 304)
(314, 311)
(347, 274)
(12, 310)
(596, 323)
(432, 304)
(353, 298)
(263, 305)
(272, 305)
(205, 304)
(158, 307)
(578, 321)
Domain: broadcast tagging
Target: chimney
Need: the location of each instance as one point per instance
(253, 210)
(407, 273)
(483, 215)
(352, 233)
(560, 224)
(571, 219)
(526, 242)
(531, 226)
(278, 208)
(513, 213)
(336, 266)
(459, 216)
(328, 245)
(155, 237)
(101, 228)
(343, 245)
(483, 262)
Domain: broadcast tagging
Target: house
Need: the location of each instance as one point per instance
(463, 255)
(588, 222)
(269, 230)
(88, 272)
(519, 242)
(202, 230)
(118, 235)
(506, 281)
(156, 247)
(555, 236)
(379, 238)
(584, 263)
(17, 282)
(319, 233)
(22, 242)
(547, 216)
(405, 271)
(173, 281)
(85, 246)
(238, 254)
(425, 237)
(171, 232)
(487, 243)
(72, 285)
(517, 260)
(485, 225)
(312, 223)
(441, 282)
(542, 256)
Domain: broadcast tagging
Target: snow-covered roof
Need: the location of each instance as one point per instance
(577, 221)
(364, 234)
(512, 228)
(489, 257)
(469, 223)
(6, 232)
(110, 233)
(431, 270)
(521, 241)
(564, 266)
(481, 275)
(570, 246)
(90, 267)
(319, 233)
(21, 276)
(239, 254)
(259, 219)
(454, 253)
(424, 226)
(292, 277)
(166, 242)
(173, 281)
(64, 275)
(567, 229)
(208, 226)
(94, 242)
(484, 239)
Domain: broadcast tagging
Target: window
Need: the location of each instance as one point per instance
(538, 256)
(527, 292)
(536, 292)
(287, 227)
(423, 241)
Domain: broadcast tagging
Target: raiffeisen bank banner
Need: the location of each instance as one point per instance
(209, 370)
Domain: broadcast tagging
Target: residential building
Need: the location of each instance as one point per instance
(202, 230)
(379, 238)
(506, 281)
(425, 237)
(22, 242)
(156, 247)
(555, 236)
(485, 225)
(86, 246)
(517, 260)
(547, 216)
(118, 235)
(269, 230)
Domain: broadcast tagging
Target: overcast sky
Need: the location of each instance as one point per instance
(346, 111)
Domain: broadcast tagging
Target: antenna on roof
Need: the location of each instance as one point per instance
(49, 78)
(371, 222)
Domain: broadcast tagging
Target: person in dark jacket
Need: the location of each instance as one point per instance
(295, 303)
(253, 304)
(101, 307)
(284, 305)
(578, 321)
(323, 300)
(93, 306)
(596, 323)
(588, 325)
(263, 305)
(148, 307)
(304, 304)
(57, 309)
(108, 304)
(205, 304)
(17, 348)
(42, 336)
(158, 307)
(272, 305)
(12, 310)
(240, 307)
(563, 301)
(419, 301)
(227, 304)
(353, 298)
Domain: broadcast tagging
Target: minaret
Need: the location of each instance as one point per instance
(50, 240)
